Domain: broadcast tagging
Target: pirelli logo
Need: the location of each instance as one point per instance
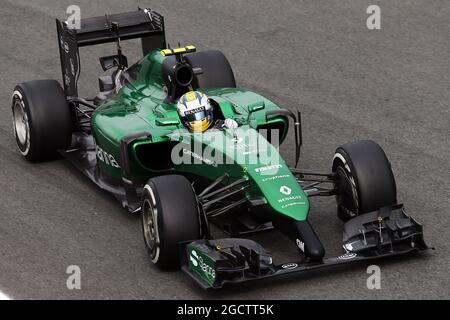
(107, 158)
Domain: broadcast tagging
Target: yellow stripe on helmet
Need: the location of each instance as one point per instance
(190, 96)
(199, 125)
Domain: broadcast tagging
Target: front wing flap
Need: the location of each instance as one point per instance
(386, 230)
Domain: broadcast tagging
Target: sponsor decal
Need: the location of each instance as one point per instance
(198, 263)
(275, 178)
(349, 246)
(347, 256)
(194, 258)
(199, 157)
(300, 244)
(268, 168)
(293, 204)
(289, 266)
(66, 47)
(194, 111)
(72, 67)
(290, 198)
(285, 190)
(67, 79)
(107, 158)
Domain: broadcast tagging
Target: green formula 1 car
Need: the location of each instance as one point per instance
(129, 141)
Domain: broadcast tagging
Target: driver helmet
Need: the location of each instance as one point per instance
(195, 111)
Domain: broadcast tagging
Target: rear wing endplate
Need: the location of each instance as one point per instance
(146, 25)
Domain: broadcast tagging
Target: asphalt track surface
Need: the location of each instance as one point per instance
(390, 85)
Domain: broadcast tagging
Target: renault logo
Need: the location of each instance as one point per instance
(285, 190)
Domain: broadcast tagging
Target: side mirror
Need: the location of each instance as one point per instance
(271, 114)
(297, 119)
(110, 62)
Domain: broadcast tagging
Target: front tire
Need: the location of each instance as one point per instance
(365, 179)
(170, 215)
(41, 119)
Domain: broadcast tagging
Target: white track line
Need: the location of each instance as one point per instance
(4, 296)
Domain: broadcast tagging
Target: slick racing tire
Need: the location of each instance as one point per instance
(216, 70)
(41, 119)
(170, 215)
(365, 179)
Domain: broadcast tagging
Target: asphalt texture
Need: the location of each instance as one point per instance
(390, 85)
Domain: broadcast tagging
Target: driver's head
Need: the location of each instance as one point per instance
(195, 111)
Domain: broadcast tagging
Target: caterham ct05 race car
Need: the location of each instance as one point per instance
(129, 140)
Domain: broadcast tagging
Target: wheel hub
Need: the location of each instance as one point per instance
(21, 124)
(150, 234)
(346, 195)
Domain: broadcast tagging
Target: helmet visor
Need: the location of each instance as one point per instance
(200, 125)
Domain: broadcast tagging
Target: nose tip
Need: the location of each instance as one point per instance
(316, 253)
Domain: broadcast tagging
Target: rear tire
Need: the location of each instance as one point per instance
(217, 71)
(170, 215)
(365, 179)
(41, 119)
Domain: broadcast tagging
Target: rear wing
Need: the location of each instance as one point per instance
(146, 25)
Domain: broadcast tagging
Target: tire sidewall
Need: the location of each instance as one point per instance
(340, 160)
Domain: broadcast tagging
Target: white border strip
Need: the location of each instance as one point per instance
(4, 296)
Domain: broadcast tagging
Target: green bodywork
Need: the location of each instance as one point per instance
(139, 107)
(201, 264)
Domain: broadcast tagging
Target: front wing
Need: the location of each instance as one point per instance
(384, 233)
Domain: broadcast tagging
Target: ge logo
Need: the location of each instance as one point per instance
(285, 190)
